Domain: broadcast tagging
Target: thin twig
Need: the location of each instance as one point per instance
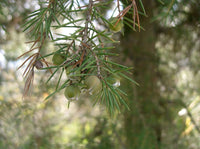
(85, 36)
(29, 82)
(134, 13)
(26, 61)
(27, 53)
(137, 15)
(189, 113)
(118, 6)
(192, 119)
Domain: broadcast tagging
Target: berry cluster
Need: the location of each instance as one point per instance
(82, 84)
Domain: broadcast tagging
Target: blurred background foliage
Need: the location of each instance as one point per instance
(164, 109)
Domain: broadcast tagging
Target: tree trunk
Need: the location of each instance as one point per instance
(142, 124)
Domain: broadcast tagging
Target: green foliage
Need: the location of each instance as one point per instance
(83, 53)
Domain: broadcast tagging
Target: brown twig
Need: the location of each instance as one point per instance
(88, 19)
(29, 82)
(135, 14)
(29, 71)
(85, 33)
(118, 6)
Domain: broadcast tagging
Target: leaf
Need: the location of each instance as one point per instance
(141, 4)
(126, 77)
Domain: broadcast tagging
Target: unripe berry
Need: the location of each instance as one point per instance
(93, 84)
(115, 27)
(58, 59)
(72, 92)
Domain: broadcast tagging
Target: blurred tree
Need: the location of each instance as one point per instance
(165, 56)
(143, 124)
(151, 110)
